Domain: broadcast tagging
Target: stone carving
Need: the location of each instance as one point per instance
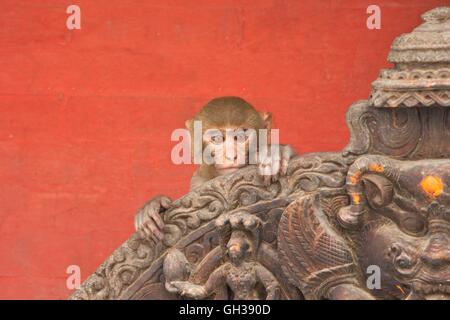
(396, 214)
(135, 269)
(404, 221)
(383, 201)
(246, 278)
(422, 58)
(401, 133)
(398, 218)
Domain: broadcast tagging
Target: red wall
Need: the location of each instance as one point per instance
(86, 115)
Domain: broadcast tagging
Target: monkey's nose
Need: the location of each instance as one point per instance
(231, 157)
(230, 154)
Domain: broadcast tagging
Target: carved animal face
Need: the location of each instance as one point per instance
(406, 225)
(238, 246)
(414, 267)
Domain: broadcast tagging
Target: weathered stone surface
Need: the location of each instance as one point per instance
(421, 75)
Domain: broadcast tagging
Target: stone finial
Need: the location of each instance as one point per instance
(421, 75)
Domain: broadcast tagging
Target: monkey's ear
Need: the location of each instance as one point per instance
(267, 118)
(188, 124)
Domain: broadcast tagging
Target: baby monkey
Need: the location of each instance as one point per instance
(231, 133)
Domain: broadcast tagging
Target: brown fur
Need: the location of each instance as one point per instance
(230, 112)
(226, 113)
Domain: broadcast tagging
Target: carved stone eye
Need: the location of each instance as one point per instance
(395, 250)
(403, 261)
(413, 225)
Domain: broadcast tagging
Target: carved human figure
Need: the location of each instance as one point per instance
(227, 127)
(241, 273)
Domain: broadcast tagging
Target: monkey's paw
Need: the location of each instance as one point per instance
(275, 165)
(148, 220)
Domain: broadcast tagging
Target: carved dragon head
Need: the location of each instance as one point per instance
(402, 212)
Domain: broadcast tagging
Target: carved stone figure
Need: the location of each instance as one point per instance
(383, 202)
(245, 277)
(398, 219)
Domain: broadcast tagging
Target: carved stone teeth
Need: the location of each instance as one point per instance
(431, 288)
(443, 288)
(418, 287)
(427, 289)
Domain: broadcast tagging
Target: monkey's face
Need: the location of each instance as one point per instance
(232, 133)
(229, 147)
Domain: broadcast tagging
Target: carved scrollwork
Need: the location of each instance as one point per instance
(312, 250)
(121, 269)
(403, 133)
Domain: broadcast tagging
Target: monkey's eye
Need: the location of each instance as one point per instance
(216, 138)
(213, 136)
(240, 135)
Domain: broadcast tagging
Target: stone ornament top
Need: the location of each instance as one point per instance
(428, 43)
(421, 74)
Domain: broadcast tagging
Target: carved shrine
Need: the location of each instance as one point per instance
(383, 201)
